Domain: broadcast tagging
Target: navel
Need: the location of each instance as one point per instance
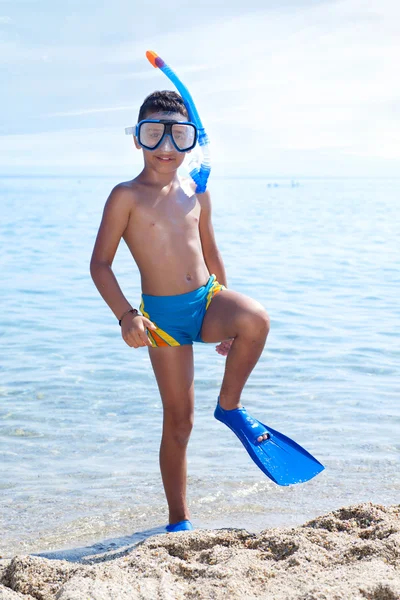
(188, 277)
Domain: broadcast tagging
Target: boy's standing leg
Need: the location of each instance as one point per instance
(174, 371)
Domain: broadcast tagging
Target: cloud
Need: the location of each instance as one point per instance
(322, 79)
(89, 148)
(90, 111)
(295, 79)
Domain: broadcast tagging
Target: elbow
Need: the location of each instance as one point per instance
(91, 271)
(95, 266)
(92, 267)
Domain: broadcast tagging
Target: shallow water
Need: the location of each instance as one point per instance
(80, 415)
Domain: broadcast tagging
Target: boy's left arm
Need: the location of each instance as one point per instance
(212, 256)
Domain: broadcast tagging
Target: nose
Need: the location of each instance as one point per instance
(166, 144)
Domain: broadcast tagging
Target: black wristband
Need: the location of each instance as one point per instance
(131, 310)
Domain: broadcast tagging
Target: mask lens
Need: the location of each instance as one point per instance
(150, 134)
(183, 135)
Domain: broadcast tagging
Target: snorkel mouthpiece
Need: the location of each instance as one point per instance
(199, 174)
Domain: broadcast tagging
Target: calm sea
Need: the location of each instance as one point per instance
(80, 415)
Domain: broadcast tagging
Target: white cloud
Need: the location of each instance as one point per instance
(321, 80)
(295, 80)
(90, 111)
(88, 148)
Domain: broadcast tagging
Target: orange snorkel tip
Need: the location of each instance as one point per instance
(151, 57)
(154, 59)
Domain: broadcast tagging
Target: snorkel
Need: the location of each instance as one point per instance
(198, 174)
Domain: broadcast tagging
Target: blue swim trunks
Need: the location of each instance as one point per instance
(179, 318)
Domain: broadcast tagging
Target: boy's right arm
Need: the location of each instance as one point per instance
(115, 219)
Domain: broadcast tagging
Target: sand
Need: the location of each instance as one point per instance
(352, 553)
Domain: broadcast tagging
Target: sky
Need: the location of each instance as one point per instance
(284, 88)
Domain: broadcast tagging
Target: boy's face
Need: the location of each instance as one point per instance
(165, 156)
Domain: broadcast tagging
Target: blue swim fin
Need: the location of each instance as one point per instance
(279, 457)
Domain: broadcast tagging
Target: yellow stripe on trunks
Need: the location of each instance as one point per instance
(158, 337)
(214, 289)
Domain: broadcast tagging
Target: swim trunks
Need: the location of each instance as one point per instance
(179, 318)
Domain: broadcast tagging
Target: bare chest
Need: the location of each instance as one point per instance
(166, 216)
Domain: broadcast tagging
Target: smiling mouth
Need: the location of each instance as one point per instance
(164, 158)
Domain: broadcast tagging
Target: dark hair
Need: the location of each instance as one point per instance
(165, 101)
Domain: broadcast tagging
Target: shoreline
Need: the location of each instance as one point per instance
(350, 553)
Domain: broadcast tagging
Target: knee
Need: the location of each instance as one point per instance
(256, 322)
(178, 427)
(261, 322)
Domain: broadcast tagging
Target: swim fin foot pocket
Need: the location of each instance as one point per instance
(280, 458)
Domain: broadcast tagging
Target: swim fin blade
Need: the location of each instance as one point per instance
(280, 458)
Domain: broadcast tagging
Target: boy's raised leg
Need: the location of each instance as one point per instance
(233, 315)
(173, 368)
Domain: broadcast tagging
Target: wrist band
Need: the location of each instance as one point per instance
(131, 310)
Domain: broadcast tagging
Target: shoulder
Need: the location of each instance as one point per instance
(187, 185)
(124, 192)
(204, 199)
(123, 196)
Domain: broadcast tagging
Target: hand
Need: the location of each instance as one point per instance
(224, 347)
(134, 331)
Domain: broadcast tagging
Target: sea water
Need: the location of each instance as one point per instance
(80, 414)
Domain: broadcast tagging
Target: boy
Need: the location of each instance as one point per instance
(168, 230)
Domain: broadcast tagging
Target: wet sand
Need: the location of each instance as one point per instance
(349, 554)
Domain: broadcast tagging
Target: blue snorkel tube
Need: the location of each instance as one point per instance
(199, 175)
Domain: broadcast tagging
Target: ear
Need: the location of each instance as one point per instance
(138, 146)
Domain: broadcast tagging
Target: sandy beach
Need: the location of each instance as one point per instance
(349, 554)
